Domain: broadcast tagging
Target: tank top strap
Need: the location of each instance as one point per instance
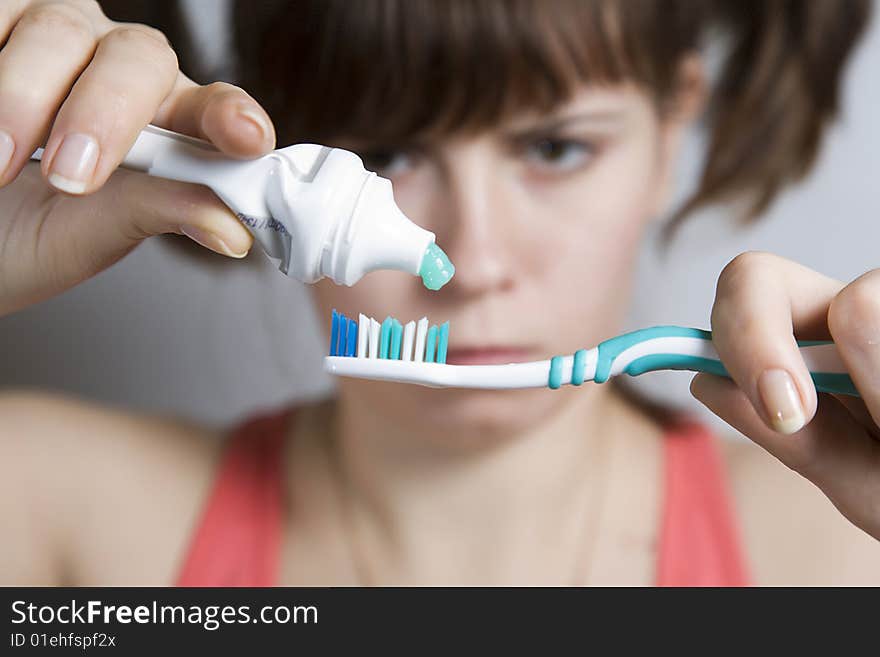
(238, 539)
(699, 542)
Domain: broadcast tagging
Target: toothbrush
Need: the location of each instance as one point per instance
(414, 353)
(315, 209)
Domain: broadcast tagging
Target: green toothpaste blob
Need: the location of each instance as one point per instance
(436, 270)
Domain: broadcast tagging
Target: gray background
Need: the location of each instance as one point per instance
(213, 341)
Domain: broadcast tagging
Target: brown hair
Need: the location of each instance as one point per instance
(389, 71)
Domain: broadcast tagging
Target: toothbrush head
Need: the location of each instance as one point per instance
(390, 351)
(416, 353)
(390, 340)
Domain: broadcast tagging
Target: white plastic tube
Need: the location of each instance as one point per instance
(315, 209)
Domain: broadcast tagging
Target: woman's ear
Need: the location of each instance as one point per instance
(683, 107)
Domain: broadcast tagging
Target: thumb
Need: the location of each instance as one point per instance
(834, 451)
(833, 442)
(136, 206)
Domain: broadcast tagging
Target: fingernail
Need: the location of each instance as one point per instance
(7, 150)
(74, 163)
(781, 401)
(213, 242)
(256, 119)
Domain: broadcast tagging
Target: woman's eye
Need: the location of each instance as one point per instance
(559, 155)
(388, 164)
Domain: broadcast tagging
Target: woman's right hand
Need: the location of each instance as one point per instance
(85, 86)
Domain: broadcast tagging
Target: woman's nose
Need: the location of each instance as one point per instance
(472, 228)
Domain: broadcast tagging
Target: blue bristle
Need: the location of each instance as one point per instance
(443, 342)
(351, 347)
(430, 344)
(334, 332)
(385, 337)
(343, 331)
(396, 338)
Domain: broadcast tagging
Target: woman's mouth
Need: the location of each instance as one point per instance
(488, 355)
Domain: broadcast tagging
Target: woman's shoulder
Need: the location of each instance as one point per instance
(793, 534)
(99, 493)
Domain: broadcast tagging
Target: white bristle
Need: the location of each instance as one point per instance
(421, 334)
(374, 338)
(363, 334)
(409, 334)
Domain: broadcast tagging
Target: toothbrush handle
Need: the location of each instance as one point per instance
(680, 348)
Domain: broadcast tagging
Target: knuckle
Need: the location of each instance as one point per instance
(85, 7)
(144, 39)
(723, 310)
(737, 277)
(730, 320)
(855, 312)
(29, 100)
(62, 21)
(217, 89)
(138, 33)
(744, 268)
(88, 7)
(734, 318)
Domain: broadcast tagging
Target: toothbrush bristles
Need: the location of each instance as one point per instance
(409, 335)
(363, 335)
(392, 340)
(421, 332)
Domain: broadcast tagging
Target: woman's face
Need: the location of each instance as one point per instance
(542, 219)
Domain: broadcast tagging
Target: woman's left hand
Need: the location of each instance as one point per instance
(762, 303)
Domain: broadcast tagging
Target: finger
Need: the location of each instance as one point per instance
(761, 301)
(221, 113)
(10, 13)
(46, 51)
(854, 322)
(857, 409)
(53, 245)
(153, 206)
(131, 73)
(833, 451)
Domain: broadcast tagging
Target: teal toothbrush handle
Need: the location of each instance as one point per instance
(681, 348)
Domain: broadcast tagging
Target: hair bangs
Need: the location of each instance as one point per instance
(393, 71)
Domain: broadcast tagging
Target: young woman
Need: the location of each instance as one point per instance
(537, 140)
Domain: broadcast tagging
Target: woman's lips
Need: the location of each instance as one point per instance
(488, 355)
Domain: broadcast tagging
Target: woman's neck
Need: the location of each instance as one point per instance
(524, 510)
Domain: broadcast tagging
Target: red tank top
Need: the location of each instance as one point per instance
(238, 538)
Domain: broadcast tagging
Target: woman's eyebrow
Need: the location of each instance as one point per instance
(603, 117)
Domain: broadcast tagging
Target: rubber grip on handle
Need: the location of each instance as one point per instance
(681, 348)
